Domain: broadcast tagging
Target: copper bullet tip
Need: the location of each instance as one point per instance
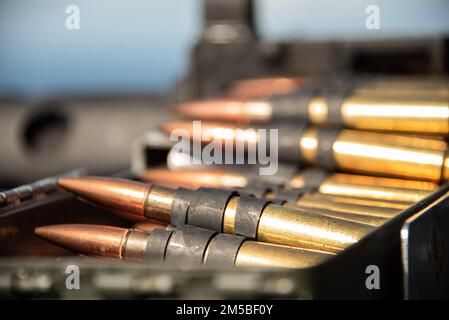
(195, 178)
(148, 226)
(264, 87)
(91, 240)
(210, 131)
(115, 194)
(222, 109)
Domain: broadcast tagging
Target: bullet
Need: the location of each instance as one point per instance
(368, 219)
(399, 193)
(370, 109)
(314, 202)
(355, 189)
(264, 87)
(186, 246)
(359, 201)
(344, 185)
(390, 155)
(391, 87)
(220, 210)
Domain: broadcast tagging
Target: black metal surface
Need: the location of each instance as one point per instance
(313, 178)
(157, 245)
(180, 206)
(289, 136)
(345, 275)
(223, 249)
(293, 106)
(425, 253)
(290, 196)
(247, 215)
(207, 208)
(325, 154)
(187, 246)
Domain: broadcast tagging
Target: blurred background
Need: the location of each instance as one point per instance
(144, 46)
(78, 98)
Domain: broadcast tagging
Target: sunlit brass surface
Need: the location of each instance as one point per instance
(406, 93)
(381, 181)
(389, 113)
(308, 145)
(372, 192)
(257, 254)
(407, 88)
(445, 169)
(264, 87)
(229, 215)
(286, 226)
(402, 87)
(364, 219)
(387, 154)
(195, 178)
(307, 201)
(362, 202)
(403, 115)
(135, 246)
(318, 111)
(91, 240)
(298, 181)
(159, 203)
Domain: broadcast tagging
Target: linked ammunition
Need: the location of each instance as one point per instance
(298, 199)
(378, 106)
(355, 151)
(335, 187)
(264, 87)
(392, 87)
(220, 210)
(185, 246)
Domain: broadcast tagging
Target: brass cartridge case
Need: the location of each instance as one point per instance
(286, 225)
(417, 115)
(360, 201)
(382, 181)
(317, 202)
(281, 225)
(258, 254)
(372, 192)
(359, 218)
(406, 88)
(382, 154)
